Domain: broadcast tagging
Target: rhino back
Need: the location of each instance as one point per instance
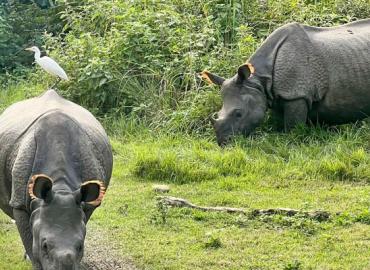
(328, 67)
(345, 53)
(18, 137)
(17, 118)
(296, 67)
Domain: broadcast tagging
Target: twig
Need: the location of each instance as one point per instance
(179, 202)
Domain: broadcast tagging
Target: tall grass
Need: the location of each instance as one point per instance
(142, 57)
(305, 154)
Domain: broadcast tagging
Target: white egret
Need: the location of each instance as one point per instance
(48, 64)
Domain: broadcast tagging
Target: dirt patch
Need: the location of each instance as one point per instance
(100, 255)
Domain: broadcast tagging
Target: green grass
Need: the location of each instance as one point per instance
(11, 251)
(309, 168)
(272, 170)
(297, 170)
(124, 58)
(17, 92)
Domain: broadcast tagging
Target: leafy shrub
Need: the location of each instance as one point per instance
(142, 57)
(108, 43)
(21, 26)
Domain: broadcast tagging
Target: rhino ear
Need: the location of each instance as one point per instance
(211, 78)
(40, 187)
(91, 192)
(245, 71)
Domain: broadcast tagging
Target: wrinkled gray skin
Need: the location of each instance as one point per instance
(52, 136)
(304, 74)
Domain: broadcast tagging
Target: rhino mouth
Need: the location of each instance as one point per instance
(222, 142)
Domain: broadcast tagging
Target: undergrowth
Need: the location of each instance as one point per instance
(134, 64)
(141, 58)
(342, 156)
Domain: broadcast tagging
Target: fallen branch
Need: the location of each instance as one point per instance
(179, 202)
(316, 214)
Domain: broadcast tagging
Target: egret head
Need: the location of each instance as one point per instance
(33, 49)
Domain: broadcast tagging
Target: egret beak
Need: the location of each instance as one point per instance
(28, 49)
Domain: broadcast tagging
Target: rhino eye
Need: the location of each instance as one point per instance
(79, 248)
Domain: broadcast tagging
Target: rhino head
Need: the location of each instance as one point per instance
(244, 103)
(58, 222)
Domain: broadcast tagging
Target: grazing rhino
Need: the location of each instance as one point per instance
(56, 163)
(302, 73)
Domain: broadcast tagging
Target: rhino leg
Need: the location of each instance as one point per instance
(295, 113)
(276, 119)
(22, 220)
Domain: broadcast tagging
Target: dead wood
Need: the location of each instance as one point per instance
(179, 202)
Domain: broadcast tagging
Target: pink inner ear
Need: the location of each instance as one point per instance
(32, 181)
(102, 190)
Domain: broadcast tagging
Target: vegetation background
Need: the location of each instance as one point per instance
(134, 64)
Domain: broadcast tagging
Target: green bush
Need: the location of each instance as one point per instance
(142, 57)
(22, 26)
(108, 47)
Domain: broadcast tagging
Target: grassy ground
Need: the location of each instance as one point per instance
(308, 169)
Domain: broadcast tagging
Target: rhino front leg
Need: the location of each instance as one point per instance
(22, 220)
(295, 113)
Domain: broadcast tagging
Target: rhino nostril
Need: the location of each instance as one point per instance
(66, 259)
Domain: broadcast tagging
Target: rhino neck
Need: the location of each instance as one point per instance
(259, 84)
(58, 151)
(264, 58)
(58, 164)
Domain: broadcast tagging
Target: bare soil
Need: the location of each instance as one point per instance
(100, 255)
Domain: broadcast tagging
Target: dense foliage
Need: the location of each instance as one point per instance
(142, 57)
(139, 59)
(23, 25)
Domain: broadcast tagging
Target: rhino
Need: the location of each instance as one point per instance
(56, 164)
(304, 74)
